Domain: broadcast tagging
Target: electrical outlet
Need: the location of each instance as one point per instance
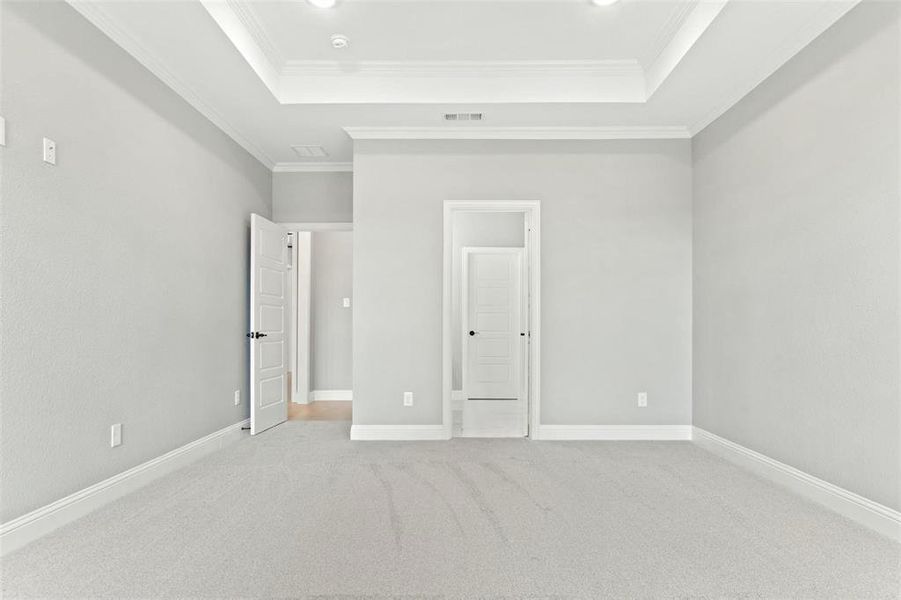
(345, 303)
(642, 399)
(408, 398)
(49, 151)
(115, 435)
(237, 397)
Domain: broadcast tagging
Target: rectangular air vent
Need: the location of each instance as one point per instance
(462, 116)
(310, 151)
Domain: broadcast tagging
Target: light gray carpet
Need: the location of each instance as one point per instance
(302, 512)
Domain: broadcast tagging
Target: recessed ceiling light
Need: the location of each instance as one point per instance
(603, 2)
(322, 3)
(339, 41)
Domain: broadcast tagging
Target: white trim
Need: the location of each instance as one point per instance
(398, 432)
(331, 395)
(249, 38)
(97, 15)
(691, 30)
(532, 210)
(829, 13)
(313, 167)
(457, 398)
(298, 227)
(615, 432)
(29, 527)
(877, 517)
(477, 132)
(301, 313)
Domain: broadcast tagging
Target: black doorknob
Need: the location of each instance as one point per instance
(258, 335)
(472, 332)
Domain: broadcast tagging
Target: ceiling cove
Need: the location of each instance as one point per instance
(362, 81)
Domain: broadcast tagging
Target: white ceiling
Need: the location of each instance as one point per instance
(265, 72)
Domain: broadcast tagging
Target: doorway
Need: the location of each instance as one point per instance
(300, 322)
(321, 344)
(491, 319)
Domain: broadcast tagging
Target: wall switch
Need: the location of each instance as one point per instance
(346, 303)
(408, 398)
(49, 151)
(237, 397)
(2, 131)
(642, 399)
(115, 435)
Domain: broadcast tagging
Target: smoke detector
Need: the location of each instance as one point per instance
(339, 41)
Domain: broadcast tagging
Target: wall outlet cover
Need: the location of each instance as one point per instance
(408, 398)
(642, 399)
(237, 397)
(49, 151)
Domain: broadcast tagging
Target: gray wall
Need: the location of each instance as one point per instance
(331, 324)
(477, 229)
(312, 197)
(616, 266)
(124, 267)
(796, 243)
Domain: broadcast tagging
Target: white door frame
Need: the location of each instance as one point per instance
(532, 211)
(299, 342)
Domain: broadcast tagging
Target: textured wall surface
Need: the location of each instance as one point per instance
(616, 273)
(331, 324)
(312, 197)
(796, 245)
(124, 266)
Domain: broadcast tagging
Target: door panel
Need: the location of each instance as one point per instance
(493, 344)
(268, 303)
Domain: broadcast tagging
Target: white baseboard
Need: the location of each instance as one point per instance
(613, 432)
(317, 395)
(29, 527)
(877, 517)
(399, 432)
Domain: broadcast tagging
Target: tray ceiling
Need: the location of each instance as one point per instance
(266, 73)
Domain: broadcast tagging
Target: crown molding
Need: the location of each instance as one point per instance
(685, 37)
(97, 15)
(518, 133)
(246, 34)
(320, 167)
(346, 82)
(829, 13)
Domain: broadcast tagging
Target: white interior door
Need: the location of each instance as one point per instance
(494, 342)
(268, 317)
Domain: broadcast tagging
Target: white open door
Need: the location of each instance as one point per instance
(494, 343)
(268, 308)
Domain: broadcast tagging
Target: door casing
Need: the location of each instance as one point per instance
(532, 218)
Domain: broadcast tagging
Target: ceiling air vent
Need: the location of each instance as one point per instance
(310, 151)
(462, 116)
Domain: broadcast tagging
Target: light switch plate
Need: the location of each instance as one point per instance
(115, 435)
(408, 398)
(237, 397)
(346, 303)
